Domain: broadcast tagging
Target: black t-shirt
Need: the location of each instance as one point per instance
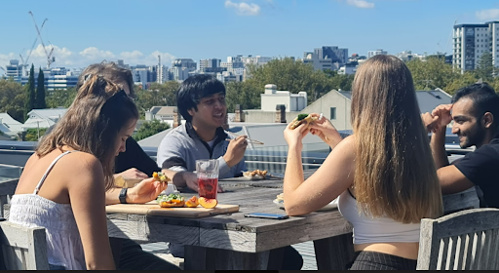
(482, 168)
(135, 157)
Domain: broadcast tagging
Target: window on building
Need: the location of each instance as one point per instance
(332, 113)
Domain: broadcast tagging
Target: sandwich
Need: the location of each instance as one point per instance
(159, 176)
(172, 200)
(305, 119)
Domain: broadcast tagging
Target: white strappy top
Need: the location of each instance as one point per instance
(375, 230)
(64, 245)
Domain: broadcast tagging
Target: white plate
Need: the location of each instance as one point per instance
(253, 177)
(330, 206)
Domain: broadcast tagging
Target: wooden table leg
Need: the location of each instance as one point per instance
(334, 253)
(201, 258)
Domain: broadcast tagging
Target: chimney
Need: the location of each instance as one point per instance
(225, 126)
(177, 119)
(239, 114)
(280, 115)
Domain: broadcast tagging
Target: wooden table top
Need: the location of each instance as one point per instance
(234, 231)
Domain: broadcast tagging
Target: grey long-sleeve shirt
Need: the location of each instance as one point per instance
(182, 146)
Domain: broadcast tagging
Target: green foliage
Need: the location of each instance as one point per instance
(33, 134)
(61, 97)
(40, 92)
(485, 69)
(157, 95)
(242, 93)
(30, 92)
(432, 73)
(150, 128)
(12, 99)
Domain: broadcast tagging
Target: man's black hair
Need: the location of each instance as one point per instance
(484, 99)
(193, 89)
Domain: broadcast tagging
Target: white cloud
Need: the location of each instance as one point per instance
(242, 8)
(65, 57)
(360, 4)
(487, 14)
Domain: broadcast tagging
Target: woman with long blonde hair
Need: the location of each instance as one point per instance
(383, 174)
(63, 185)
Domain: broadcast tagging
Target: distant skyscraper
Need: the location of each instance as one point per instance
(373, 53)
(470, 41)
(327, 57)
(182, 67)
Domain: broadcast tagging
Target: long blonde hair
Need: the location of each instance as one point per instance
(395, 174)
(92, 123)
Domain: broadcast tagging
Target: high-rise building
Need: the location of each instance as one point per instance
(373, 53)
(211, 66)
(182, 68)
(14, 70)
(326, 57)
(471, 41)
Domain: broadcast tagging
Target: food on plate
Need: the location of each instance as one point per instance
(172, 200)
(192, 203)
(280, 198)
(159, 176)
(256, 174)
(207, 203)
(303, 119)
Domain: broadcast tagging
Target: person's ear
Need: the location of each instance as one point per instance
(191, 112)
(487, 120)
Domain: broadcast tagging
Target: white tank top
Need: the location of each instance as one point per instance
(375, 230)
(64, 247)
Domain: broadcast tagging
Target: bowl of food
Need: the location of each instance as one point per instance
(255, 175)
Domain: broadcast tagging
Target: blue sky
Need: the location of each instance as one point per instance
(84, 32)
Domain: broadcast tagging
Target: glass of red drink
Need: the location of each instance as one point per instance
(207, 172)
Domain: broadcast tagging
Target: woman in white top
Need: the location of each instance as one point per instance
(63, 185)
(383, 174)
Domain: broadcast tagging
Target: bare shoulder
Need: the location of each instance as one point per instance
(346, 146)
(81, 162)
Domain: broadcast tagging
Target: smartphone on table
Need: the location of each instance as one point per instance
(266, 215)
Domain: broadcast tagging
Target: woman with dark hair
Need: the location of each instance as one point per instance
(383, 174)
(63, 185)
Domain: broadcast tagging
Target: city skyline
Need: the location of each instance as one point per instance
(138, 31)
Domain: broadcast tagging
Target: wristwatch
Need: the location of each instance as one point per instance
(122, 196)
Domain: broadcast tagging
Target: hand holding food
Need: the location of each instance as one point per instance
(324, 129)
(159, 176)
(304, 119)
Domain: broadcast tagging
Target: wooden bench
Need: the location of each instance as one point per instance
(464, 240)
(22, 248)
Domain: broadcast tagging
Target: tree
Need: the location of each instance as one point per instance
(40, 91)
(157, 95)
(61, 97)
(150, 128)
(242, 93)
(30, 92)
(290, 75)
(431, 73)
(33, 134)
(12, 98)
(485, 69)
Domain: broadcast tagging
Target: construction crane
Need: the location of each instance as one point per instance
(50, 59)
(25, 62)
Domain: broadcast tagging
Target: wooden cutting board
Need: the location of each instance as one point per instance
(154, 209)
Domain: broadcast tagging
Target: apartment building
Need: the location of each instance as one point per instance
(471, 41)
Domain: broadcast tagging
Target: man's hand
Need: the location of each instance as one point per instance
(438, 119)
(132, 174)
(235, 150)
(191, 180)
(145, 191)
